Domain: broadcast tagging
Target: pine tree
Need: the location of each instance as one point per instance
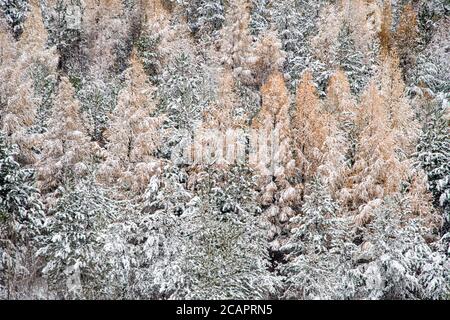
(73, 242)
(433, 155)
(98, 97)
(63, 18)
(206, 16)
(259, 16)
(21, 218)
(236, 47)
(294, 26)
(318, 250)
(396, 262)
(351, 60)
(231, 261)
(159, 236)
(15, 12)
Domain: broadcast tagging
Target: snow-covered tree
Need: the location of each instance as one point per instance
(377, 170)
(66, 149)
(295, 24)
(159, 236)
(400, 115)
(433, 154)
(309, 128)
(273, 157)
(180, 95)
(351, 60)
(340, 144)
(23, 63)
(318, 250)
(206, 16)
(396, 261)
(132, 135)
(227, 229)
(236, 45)
(98, 97)
(21, 218)
(15, 12)
(259, 16)
(73, 240)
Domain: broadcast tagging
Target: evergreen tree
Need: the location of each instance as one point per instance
(206, 16)
(231, 261)
(433, 155)
(295, 25)
(73, 242)
(21, 218)
(396, 262)
(15, 12)
(318, 250)
(351, 60)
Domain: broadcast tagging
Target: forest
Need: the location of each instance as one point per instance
(224, 149)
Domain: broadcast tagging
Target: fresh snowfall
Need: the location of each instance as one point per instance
(225, 149)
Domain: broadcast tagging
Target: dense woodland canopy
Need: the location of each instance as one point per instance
(99, 100)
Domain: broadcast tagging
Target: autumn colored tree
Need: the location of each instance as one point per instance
(385, 34)
(273, 157)
(339, 146)
(132, 135)
(376, 171)
(308, 129)
(399, 111)
(406, 37)
(66, 150)
(19, 63)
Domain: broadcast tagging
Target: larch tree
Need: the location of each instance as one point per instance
(399, 111)
(308, 129)
(406, 37)
(237, 42)
(377, 171)
(340, 143)
(21, 103)
(65, 149)
(106, 34)
(133, 133)
(272, 155)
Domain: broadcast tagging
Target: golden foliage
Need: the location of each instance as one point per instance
(66, 149)
(133, 135)
(309, 127)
